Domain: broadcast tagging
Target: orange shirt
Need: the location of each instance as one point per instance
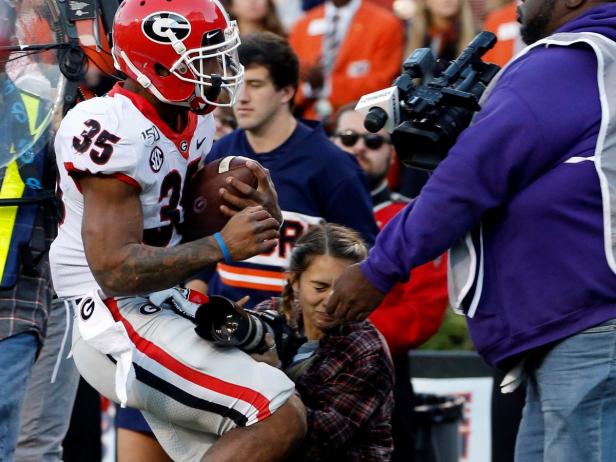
(369, 57)
(503, 23)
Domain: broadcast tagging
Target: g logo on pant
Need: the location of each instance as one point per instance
(87, 308)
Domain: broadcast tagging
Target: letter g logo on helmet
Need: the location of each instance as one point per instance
(164, 27)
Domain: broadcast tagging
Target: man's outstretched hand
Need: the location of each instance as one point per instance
(353, 297)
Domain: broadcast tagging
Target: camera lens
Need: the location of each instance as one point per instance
(228, 328)
(225, 323)
(375, 119)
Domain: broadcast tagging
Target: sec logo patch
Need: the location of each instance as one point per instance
(156, 159)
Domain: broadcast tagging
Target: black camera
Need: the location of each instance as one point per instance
(225, 323)
(425, 120)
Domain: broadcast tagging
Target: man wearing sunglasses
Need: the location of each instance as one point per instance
(397, 317)
(373, 151)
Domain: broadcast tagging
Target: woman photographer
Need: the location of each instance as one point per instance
(344, 372)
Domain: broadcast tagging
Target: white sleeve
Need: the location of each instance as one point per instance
(91, 140)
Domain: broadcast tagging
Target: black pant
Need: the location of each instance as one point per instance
(506, 416)
(83, 440)
(403, 424)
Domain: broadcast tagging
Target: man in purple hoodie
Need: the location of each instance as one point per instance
(526, 202)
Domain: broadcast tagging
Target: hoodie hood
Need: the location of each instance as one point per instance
(601, 20)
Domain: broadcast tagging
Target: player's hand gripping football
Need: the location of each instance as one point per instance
(250, 232)
(247, 196)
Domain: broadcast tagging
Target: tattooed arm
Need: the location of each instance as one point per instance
(112, 233)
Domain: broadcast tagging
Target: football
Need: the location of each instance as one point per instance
(202, 215)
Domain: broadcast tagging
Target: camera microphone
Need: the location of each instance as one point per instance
(380, 109)
(375, 119)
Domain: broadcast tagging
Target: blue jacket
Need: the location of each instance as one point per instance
(546, 276)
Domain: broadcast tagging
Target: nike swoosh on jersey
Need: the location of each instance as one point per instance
(200, 142)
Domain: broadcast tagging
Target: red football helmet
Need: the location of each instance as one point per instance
(184, 52)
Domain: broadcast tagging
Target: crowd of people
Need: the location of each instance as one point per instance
(357, 253)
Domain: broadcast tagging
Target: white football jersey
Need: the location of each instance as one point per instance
(121, 135)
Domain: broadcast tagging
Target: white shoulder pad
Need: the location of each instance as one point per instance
(92, 139)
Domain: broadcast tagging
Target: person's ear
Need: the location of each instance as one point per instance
(288, 93)
(574, 4)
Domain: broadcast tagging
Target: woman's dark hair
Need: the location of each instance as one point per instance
(327, 239)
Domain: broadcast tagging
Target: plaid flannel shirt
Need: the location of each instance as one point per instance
(348, 393)
(25, 307)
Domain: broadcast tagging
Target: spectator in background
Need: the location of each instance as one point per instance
(414, 310)
(225, 121)
(346, 48)
(289, 11)
(444, 26)
(315, 180)
(504, 24)
(255, 16)
(344, 373)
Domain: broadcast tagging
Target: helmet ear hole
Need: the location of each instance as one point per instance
(161, 70)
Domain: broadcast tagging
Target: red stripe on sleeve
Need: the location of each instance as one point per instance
(127, 179)
(73, 171)
(70, 168)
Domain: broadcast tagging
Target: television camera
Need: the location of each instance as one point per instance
(425, 119)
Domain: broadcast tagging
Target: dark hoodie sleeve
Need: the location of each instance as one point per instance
(533, 120)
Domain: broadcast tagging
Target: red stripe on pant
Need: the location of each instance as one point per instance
(252, 397)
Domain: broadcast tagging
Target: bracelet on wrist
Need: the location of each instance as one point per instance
(223, 248)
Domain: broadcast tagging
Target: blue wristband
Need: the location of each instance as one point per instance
(223, 248)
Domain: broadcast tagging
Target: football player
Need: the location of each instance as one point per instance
(124, 160)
